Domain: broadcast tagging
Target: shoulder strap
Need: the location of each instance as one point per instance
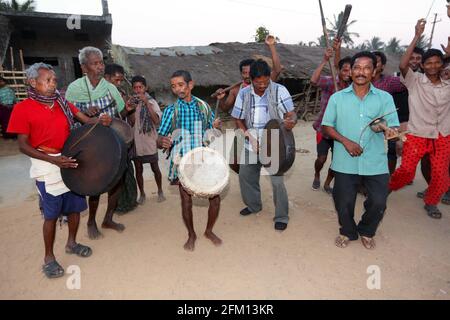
(175, 115)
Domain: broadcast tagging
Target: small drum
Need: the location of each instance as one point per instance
(203, 172)
(123, 129)
(101, 156)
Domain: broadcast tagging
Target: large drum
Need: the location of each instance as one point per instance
(203, 172)
(124, 130)
(101, 156)
(279, 145)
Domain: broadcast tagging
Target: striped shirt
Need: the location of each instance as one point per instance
(260, 108)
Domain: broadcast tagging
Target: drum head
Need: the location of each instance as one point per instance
(203, 172)
(278, 144)
(123, 129)
(101, 158)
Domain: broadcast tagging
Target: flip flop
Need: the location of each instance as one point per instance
(446, 198)
(316, 184)
(53, 270)
(342, 241)
(421, 194)
(328, 189)
(80, 250)
(433, 211)
(368, 243)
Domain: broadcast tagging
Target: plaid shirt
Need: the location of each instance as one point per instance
(106, 105)
(389, 84)
(326, 85)
(192, 126)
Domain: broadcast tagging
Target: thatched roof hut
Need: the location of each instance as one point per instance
(217, 64)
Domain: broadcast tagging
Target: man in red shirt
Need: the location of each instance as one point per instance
(42, 123)
(326, 84)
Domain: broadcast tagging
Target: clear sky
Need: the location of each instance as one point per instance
(162, 23)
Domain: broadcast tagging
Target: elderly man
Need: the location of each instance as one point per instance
(429, 124)
(359, 154)
(92, 94)
(7, 101)
(43, 123)
(255, 106)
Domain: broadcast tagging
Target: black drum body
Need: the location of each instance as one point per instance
(286, 147)
(124, 130)
(101, 156)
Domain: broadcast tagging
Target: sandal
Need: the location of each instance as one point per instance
(328, 190)
(368, 243)
(433, 211)
(316, 184)
(446, 198)
(421, 194)
(53, 270)
(79, 250)
(342, 241)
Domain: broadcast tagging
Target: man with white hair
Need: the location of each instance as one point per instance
(42, 123)
(92, 94)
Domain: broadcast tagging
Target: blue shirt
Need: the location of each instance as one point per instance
(191, 123)
(350, 115)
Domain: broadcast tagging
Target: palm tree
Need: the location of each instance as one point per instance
(393, 46)
(346, 36)
(423, 42)
(374, 44)
(321, 42)
(14, 5)
(362, 47)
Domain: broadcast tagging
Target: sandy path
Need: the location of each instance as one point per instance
(147, 261)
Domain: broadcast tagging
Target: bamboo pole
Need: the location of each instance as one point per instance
(325, 34)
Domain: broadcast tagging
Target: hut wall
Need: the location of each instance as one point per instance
(5, 33)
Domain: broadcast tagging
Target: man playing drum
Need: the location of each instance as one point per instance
(43, 123)
(255, 106)
(93, 94)
(183, 126)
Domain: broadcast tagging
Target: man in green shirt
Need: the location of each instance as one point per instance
(359, 153)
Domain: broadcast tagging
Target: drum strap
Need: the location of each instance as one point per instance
(202, 106)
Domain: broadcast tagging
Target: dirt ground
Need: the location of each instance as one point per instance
(148, 261)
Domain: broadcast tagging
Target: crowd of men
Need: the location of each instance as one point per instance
(360, 161)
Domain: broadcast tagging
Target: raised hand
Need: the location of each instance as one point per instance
(270, 40)
(420, 27)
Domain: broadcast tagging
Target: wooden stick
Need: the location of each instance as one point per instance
(325, 33)
(227, 89)
(22, 62)
(11, 52)
(11, 72)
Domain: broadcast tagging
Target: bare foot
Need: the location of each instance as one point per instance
(112, 225)
(190, 243)
(93, 232)
(215, 239)
(161, 197)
